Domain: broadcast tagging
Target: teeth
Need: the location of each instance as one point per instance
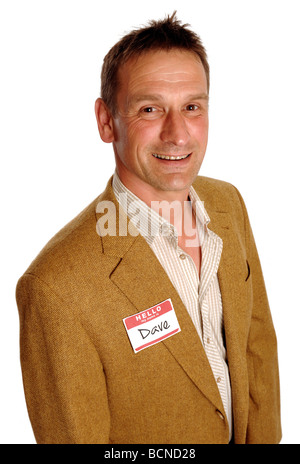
(172, 158)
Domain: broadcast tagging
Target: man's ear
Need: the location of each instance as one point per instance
(104, 121)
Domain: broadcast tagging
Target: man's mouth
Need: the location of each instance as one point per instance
(171, 157)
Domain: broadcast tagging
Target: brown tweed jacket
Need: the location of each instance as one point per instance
(84, 384)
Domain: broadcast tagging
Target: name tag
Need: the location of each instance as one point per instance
(152, 325)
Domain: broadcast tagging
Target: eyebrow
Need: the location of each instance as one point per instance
(200, 96)
(143, 97)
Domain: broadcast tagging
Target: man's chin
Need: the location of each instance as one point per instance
(177, 182)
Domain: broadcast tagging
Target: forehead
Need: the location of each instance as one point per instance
(162, 71)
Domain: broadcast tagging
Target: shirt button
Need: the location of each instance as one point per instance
(182, 256)
(165, 230)
(208, 340)
(219, 379)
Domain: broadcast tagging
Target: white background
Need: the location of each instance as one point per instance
(53, 163)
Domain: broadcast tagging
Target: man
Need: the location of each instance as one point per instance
(145, 320)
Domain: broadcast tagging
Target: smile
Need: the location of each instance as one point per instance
(171, 157)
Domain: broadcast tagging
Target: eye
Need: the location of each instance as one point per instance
(192, 107)
(149, 112)
(149, 109)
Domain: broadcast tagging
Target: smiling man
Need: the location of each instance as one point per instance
(159, 331)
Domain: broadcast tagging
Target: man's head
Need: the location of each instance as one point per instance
(157, 115)
(164, 34)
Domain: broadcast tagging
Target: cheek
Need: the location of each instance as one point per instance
(199, 130)
(142, 133)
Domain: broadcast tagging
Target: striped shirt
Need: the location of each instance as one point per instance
(201, 296)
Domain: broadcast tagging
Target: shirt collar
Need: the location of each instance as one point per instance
(146, 220)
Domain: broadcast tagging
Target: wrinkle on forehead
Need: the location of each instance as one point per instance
(166, 64)
(168, 76)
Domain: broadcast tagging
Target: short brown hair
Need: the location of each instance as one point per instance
(158, 35)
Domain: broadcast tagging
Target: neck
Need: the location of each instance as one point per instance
(173, 206)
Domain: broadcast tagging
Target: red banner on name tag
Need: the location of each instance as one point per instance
(148, 314)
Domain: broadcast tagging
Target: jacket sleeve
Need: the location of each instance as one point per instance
(264, 425)
(63, 377)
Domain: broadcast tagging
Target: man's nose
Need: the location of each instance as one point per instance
(174, 129)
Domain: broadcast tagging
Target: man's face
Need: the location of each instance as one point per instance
(161, 125)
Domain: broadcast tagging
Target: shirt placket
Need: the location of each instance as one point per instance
(190, 279)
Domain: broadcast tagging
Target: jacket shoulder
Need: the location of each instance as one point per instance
(63, 251)
(73, 246)
(218, 194)
(222, 197)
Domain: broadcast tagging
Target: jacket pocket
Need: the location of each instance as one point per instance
(249, 271)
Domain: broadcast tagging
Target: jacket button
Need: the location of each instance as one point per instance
(220, 414)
